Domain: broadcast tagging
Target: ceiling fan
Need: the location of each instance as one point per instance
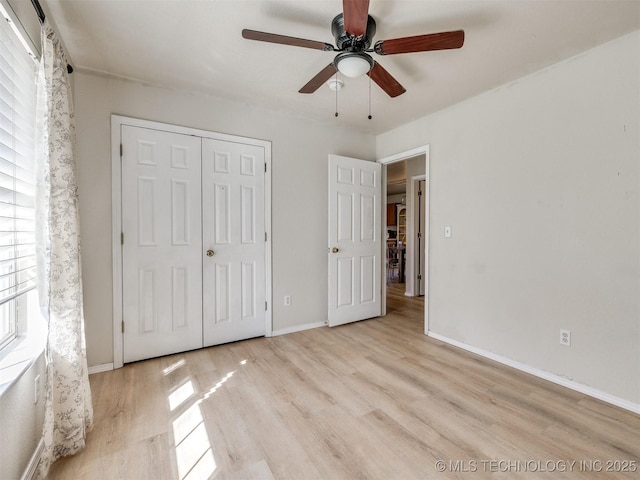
(353, 31)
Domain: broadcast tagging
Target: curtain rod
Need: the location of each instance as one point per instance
(39, 11)
(41, 17)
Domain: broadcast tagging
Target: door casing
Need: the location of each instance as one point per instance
(117, 121)
(398, 157)
(420, 234)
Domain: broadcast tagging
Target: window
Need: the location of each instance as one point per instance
(17, 182)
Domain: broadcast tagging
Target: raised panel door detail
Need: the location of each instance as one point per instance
(367, 178)
(367, 218)
(247, 215)
(367, 280)
(146, 153)
(248, 280)
(146, 211)
(147, 301)
(247, 165)
(345, 176)
(180, 212)
(345, 282)
(222, 292)
(345, 217)
(222, 207)
(180, 296)
(179, 156)
(222, 162)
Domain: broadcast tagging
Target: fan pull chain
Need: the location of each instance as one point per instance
(369, 117)
(337, 93)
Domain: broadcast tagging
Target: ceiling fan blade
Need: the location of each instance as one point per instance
(356, 15)
(284, 40)
(421, 43)
(316, 82)
(385, 81)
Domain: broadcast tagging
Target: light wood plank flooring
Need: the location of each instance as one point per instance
(371, 400)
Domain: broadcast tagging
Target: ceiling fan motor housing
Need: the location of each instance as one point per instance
(349, 43)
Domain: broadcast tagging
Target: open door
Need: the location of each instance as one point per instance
(355, 217)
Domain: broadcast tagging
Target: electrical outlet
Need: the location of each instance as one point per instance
(565, 337)
(287, 300)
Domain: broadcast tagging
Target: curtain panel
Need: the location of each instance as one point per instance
(68, 407)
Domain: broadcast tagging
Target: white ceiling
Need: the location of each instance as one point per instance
(197, 45)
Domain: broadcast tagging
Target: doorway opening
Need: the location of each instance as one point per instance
(406, 236)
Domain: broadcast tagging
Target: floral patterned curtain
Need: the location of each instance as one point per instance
(68, 408)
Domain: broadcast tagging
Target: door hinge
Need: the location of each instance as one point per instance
(265, 167)
(265, 306)
(419, 276)
(121, 150)
(121, 238)
(419, 193)
(265, 236)
(419, 234)
(123, 326)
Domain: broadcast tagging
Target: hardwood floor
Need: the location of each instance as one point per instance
(372, 400)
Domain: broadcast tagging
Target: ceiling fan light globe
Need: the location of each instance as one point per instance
(354, 66)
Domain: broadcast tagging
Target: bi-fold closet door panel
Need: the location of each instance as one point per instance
(194, 247)
(162, 248)
(234, 235)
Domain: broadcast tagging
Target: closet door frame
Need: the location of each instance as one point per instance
(117, 122)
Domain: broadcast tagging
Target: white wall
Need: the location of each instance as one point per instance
(299, 191)
(539, 180)
(21, 420)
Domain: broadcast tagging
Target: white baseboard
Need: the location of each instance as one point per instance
(573, 385)
(298, 328)
(32, 466)
(105, 367)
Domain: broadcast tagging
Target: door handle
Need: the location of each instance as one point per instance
(335, 250)
(209, 253)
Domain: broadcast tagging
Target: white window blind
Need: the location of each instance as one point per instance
(17, 189)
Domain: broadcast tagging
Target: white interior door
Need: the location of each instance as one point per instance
(234, 296)
(355, 236)
(162, 243)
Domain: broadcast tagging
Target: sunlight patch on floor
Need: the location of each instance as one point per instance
(180, 395)
(173, 367)
(218, 385)
(193, 451)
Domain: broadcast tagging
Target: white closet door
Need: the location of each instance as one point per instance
(234, 293)
(162, 250)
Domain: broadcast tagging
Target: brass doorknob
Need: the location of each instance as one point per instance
(335, 250)
(209, 253)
